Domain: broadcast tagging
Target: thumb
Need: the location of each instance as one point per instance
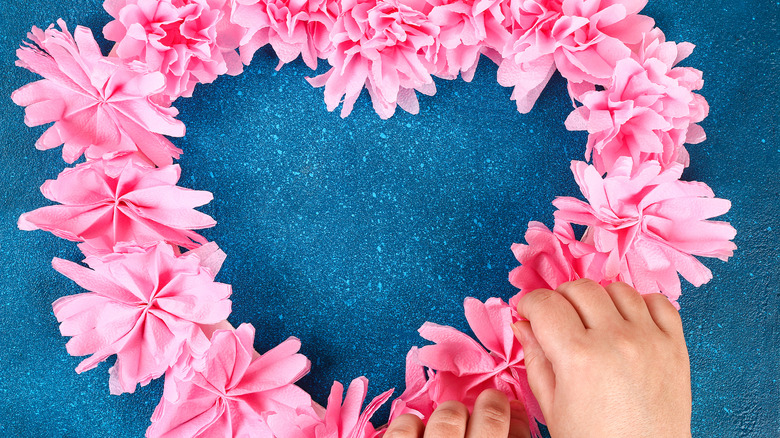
(541, 377)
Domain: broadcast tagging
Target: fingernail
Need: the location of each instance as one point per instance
(518, 332)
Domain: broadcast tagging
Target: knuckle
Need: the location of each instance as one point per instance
(581, 286)
(627, 347)
(582, 355)
(401, 431)
(581, 283)
(495, 412)
(451, 414)
(537, 299)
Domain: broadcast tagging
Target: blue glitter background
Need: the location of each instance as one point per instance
(349, 234)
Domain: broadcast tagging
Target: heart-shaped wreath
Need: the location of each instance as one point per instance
(161, 312)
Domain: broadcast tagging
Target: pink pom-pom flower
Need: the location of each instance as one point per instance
(593, 35)
(146, 305)
(416, 398)
(107, 202)
(188, 41)
(292, 28)
(232, 390)
(464, 368)
(378, 45)
(649, 224)
(527, 62)
(645, 114)
(98, 105)
(465, 30)
(338, 420)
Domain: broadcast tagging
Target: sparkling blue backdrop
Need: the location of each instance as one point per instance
(349, 234)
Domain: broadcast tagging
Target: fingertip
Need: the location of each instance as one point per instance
(405, 426)
(495, 396)
(628, 301)
(530, 299)
(519, 424)
(491, 416)
(664, 314)
(448, 420)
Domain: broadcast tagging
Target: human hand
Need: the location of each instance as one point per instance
(494, 416)
(606, 362)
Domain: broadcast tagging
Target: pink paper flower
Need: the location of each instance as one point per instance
(527, 62)
(106, 202)
(378, 45)
(292, 28)
(464, 368)
(337, 420)
(592, 36)
(465, 29)
(98, 105)
(188, 41)
(645, 114)
(649, 224)
(232, 390)
(552, 258)
(145, 305)
(416, 398)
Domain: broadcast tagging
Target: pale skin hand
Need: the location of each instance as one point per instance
(494, 416)
(601, 362)
(606, 362)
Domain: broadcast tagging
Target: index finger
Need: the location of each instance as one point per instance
(554, 321)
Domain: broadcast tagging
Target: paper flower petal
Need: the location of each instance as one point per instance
(188, 42)
(378, 46)
(649, 224)
(98, 105)
(231, 392)
(107, 202)
(145, 305)
(646, 113)
(465, 30)
(463, 368)
(593, 35)
(292, 28)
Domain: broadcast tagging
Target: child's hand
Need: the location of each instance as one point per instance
(493, 416)
(606, 363)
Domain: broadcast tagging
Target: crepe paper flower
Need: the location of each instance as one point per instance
(292, 28)
(464, 368)
(527, 62)
(416, 399)
(145, 306)
(649, 224)
(551, 258)
(337, 420)
(592, 36)
(378, 46)
(232, 390)
(188, 41)
(644, 114)
(99, 106)
(466, 28)
(654, 46)
(103, 204)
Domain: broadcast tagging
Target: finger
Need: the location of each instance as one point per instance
(628, 302)
(666, 317)
(554, 321)
(591, 301)
(405, 426)
(518, 422)
(541, 377)
(448, 421)
(490, 417)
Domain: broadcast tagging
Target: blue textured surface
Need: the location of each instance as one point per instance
(349, 234)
